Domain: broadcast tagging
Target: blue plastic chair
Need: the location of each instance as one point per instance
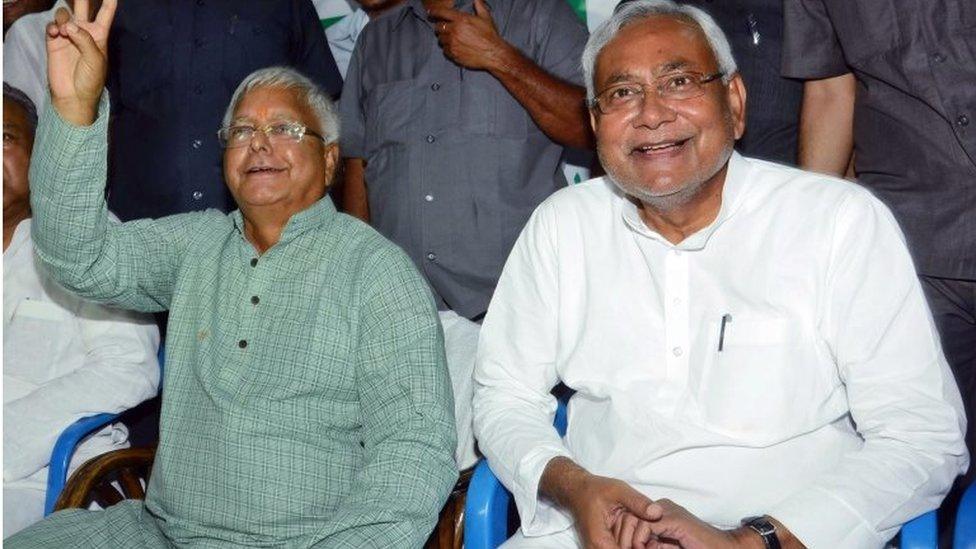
(486, 511)
(67, 443)
(965, 533)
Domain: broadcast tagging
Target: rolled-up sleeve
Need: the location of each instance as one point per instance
(902, 396)
(515, 372)
(811, 49)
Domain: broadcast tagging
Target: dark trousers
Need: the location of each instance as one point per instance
(953, 304)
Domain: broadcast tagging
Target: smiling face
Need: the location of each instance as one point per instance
(286, 176)
(666, 151)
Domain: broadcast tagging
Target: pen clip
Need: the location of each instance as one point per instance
(726, 319)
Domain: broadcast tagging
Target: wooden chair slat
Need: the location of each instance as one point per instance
(131, 485)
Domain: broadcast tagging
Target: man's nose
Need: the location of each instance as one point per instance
(260, 141)
(653, 111)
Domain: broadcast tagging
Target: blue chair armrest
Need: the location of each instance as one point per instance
(485, 510)
(922, 532)
(964, 536)
(64, 448)
(486, 505)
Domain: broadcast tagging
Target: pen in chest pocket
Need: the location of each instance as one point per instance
(726, 319)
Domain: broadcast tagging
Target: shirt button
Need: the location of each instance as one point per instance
(254, 262)
(431, 256)
(198, 42)
(676, 301)
(242, 343)
(198, 90)
(255, 299)
(676, 252)
(197, 143)
(429, 198)
(431, 139)
(938, 57)
(435, 86)
(963, 120)
(197, 195)
(677, 351)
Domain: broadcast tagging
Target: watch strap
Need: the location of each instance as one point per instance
(766, 530)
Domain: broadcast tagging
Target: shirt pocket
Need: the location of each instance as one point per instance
(251, 41)
(37, 340)
(144, 64)
(487, 108)
(388, 108)
(755, 386)
(863, 43)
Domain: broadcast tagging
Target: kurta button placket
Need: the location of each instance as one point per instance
(676, 319)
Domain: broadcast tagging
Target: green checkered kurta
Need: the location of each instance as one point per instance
(307, 399)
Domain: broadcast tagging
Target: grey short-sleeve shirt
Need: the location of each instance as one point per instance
(915, 111)
(454, 164)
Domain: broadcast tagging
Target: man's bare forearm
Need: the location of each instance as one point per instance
(826, 139)
(557, 107)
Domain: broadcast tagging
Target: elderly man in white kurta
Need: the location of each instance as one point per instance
(64, 358)
(753, 359)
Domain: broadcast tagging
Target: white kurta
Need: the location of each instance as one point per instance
(829, 406)
(64, 358)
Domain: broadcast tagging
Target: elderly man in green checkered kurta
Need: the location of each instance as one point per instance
(306, 401)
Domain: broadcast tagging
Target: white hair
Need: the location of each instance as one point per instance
(289, 78)
(630, 11)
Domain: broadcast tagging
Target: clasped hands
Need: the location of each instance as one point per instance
(611, 514)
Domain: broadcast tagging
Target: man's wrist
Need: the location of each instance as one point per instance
(747, 538)
(75, 112)
(505, 59)
(561, 480)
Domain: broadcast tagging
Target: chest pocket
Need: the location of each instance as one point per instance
(251, 41)
(389, 110)
(758, 384)
(487, 108)
(862, 43)
(39, 335)
(144, 64)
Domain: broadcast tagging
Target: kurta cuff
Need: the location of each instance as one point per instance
(539, 518)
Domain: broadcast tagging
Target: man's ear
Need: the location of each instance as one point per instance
(736, 96)
(593, 115)
(331, 154)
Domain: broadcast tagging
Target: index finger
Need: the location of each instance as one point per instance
(82, 14)
(106, 13)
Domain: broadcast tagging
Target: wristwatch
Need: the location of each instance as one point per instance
(765, 529)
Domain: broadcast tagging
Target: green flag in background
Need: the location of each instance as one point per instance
(579, 6)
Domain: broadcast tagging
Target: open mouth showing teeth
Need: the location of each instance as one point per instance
(263, 169)
(661, 147)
